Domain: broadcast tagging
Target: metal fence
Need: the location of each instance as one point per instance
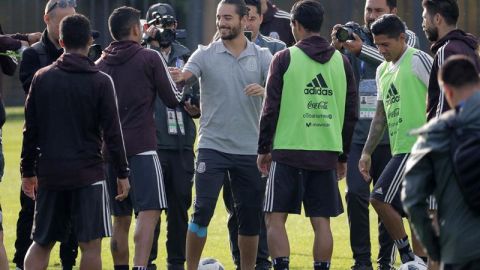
(198, 17)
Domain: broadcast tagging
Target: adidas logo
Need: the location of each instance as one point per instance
(379, 191)
(318, 86)
(392, 95)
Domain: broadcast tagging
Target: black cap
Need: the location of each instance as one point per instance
(162, 9)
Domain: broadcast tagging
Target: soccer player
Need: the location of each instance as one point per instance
(139, 75)
(402, 87)
(70, 111)
(42, 54)
(307, 122)
(440, 26)
(431, 170)
(365, 58)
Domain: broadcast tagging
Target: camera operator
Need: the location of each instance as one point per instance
(175, 138)
(365, 58)
(42, 54)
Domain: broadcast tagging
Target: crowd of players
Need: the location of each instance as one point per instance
(283, 116)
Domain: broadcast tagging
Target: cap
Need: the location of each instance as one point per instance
(162, 9)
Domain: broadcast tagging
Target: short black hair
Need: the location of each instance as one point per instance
(240, 6)
(388, 24)
(122, 20)
(255, 3)
(459, 71)
(75, 31)
(309, 13)
(392, 4)
(448, 9)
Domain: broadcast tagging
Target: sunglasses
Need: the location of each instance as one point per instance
(62, 4)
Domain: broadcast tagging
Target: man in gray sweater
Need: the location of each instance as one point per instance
(430, 171)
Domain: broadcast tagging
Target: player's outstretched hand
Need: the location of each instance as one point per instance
(123, 187)
(29, 186)
(34, 37)
(176, 74)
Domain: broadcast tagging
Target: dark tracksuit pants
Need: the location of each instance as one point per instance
(262, 253)
(68, 250)
(357, 197)
(178, 179)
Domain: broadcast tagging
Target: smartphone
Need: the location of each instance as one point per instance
(248, 34)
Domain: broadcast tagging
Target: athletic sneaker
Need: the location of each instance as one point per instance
(361, 266)
(385, 267)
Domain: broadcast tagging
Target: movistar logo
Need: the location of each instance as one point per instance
(392, 95)
(318, 86)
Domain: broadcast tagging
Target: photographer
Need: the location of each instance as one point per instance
(175, 138)
(365, 58)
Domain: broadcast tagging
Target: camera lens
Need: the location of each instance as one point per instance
(342, 34)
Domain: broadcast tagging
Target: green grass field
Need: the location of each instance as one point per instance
(300, 233)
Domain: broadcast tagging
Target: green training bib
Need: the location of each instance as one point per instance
(313, 104)
(404, 98)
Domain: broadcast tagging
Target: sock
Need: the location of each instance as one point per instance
(321, 265)
(139, 268)
(424, 259)
(406, 253)
(121, 267)
(281, 263)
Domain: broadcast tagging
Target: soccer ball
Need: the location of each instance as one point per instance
(210, 264)
(413, 265)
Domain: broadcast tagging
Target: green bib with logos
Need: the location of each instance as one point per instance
(404, 99)
(313, 104)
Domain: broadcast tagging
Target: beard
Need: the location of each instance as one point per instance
(431, 33)
(230, 33)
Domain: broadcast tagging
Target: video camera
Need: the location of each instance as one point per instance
(166, 33)
(95, 50)
(346, 31)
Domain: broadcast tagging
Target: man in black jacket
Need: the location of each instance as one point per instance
(440, 26)
(140, 75)
(34, 58)
(70, 112)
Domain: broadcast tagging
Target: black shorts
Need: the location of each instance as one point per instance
(288, 187)
(147, 191)
(84, 211)
(247, 186)
(388, 187)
